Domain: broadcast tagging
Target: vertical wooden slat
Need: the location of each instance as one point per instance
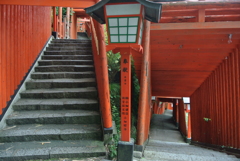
(1, 55)
(222, 86)
(228, 103)
(11, 60)
(238, 95)
(230, 115)
(7, 54)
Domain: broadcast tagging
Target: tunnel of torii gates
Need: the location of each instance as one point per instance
(193, 51)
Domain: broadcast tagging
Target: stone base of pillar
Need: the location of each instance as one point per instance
(125, 150)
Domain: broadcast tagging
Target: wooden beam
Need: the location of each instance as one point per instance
(228, 11)
(203, 19)
(194, 32)
(200, 5)
(194, 12)
(197, 25)
(194, 39)
(62, 3)
(194, 46)
(188, 51)
(175, 13)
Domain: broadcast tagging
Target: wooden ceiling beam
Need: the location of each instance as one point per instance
(197, 25)
(218, 39)
(195, 19)
(222, 18)
(175, 13)
(187, 67)
(200, 5)
(194, 12)
(204, 46)
(195, 32)
(172, 93)
(178, 19)
(186, 38)
(62, 3)
(228, 11)
(157, 51)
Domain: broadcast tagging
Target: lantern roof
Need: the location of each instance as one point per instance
(152, 9)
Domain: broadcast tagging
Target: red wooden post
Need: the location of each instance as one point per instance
(189, 126)
(103, 84)
(54, 19)
(60, 22)
(125, 96)
(177, 112)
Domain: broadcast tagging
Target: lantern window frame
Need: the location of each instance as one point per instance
(138, 35)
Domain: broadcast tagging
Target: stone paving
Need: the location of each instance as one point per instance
(167, 144)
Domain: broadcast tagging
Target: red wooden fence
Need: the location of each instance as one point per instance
(23, 32)
(215, 106)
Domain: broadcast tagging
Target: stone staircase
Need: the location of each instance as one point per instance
(58, 114)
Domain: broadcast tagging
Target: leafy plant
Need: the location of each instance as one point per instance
(206, 119)
(64, 11)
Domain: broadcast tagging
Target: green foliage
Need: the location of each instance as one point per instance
(206, 119)
(113, 65)
(64, 11)
(115, 105)
(135, 100)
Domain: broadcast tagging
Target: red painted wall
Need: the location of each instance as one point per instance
(218, 99)
(24, 31)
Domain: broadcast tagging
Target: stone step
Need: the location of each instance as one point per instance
(60, 83)
(64, 68)
(70, 40)
(40, 132)
(67, 57)
(72, 52)
(67, 48)
(188, 150)
(184, 157)
(69, 44)
(65, 62)
(53, 117)
(21, 151)
(89, 92)
(56, 104)
(55, 75)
